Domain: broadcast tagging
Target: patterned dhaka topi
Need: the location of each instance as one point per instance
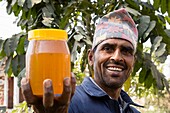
(116, 24)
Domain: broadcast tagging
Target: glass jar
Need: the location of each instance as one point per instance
(47, 57)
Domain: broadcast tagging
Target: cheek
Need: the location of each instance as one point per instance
(130, 63)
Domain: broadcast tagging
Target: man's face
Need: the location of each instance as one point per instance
(112, 61)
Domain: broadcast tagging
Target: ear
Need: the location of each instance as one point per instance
(90, 57)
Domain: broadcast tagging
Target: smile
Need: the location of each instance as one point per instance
(115, 69)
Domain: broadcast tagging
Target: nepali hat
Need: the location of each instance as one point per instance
(117, 24)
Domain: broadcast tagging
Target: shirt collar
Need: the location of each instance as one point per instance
(93, 89)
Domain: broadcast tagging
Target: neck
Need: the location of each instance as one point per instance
(114, 93)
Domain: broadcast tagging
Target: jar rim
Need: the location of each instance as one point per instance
(47, 34)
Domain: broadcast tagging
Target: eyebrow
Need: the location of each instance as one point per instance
(129, 48)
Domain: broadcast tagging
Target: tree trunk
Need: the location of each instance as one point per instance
(10, 92)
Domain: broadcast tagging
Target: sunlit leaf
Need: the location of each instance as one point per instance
(127, 84)
(78, 37)
(74, 52)
(21, 2)
(167, 31)
(80, 29)
(30, 3)
(46, 1)
(133, 11)
(1, 44)
(161, 49)
(156, 43)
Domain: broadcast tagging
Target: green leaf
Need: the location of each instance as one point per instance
(21, 62)
(158, 77)
(15, 65)
(13, 42)
(149, 79)
(46, 12)
(151, 26)
(168, 8)
(133, 4)
(127, 84)
(167, 19)
(1, 44)
(137, 66)
(18, 63)
(167, 31)
(2, 54)
(8, 64)
(162, 58)
(143, 25)
(9, 9)
(166, 84)
(7, 49)
(163, 6)
(156, 4)
(156, 43)
(161, 49)
(142, 75)
(20, 48)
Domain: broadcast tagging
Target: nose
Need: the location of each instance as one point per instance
(116, 56)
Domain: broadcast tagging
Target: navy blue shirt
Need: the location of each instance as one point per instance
(89, 98)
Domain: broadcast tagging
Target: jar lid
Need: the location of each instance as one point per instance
(47, 34)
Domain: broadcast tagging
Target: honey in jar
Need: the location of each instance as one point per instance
(47, 57)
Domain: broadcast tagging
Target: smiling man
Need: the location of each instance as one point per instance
(112, 57)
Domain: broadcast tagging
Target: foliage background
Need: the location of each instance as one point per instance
(79, 17)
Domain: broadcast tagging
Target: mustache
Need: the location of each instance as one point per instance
(117, 63)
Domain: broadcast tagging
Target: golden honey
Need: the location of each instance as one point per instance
(47, 57)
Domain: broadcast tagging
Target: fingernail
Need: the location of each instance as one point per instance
(67, 82)
(47, 83)
(23, 81)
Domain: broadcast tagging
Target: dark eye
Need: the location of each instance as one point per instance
(108, 49)
(127, 51)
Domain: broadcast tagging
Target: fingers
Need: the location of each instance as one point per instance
(73, 84)
(27, 92)
(64, 99)
(48, 96)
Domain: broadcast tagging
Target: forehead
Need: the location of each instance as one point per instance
(116, 41)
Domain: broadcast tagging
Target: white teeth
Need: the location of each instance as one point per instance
(114, 69)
